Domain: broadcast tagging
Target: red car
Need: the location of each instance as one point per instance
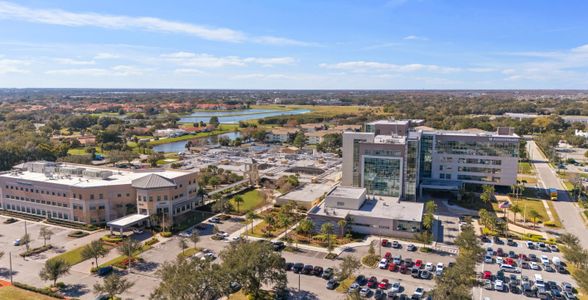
(384, 243)
(418, 263)
(372, 282)
(403, 269)
(523, 257)
(383, 284)
(387, 255)
(392, 267)
(509, 261)
(486, 275)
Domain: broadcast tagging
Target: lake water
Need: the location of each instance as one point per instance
(180, 146)
(235, 116)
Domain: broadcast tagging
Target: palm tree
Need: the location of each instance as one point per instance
(183, 244)
(270, 222)
(567, 239)
(342, 226)
(306, 226)
(128, 247)
(94, 250)
(238, 200)
(285, 221)
(534, 216)
(515, 209)
(250, 216)
(327, 229)
(195, 237)
(113, 285)
(53, 269)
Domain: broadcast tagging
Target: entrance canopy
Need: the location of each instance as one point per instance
(126, 221)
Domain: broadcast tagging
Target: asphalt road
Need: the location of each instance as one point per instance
(565, 207)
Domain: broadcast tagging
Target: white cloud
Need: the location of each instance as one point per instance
(365, 66)
(106, 55)
(415, 38)
(10, 11)
(70, 61)
(189, 71)
(120, 70)
(203, 60)
(13, 66)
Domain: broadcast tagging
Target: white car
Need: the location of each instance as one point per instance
(534, 265)
(419, 292)
(364, 292)
(429, 266)
(17, 242)
(383, 263)
(499, 285)
(439, 269)
(395, 288)
(499, 260)
(488, 259)
(544, 259)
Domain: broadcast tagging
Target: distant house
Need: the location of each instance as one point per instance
(314, 138)
(343, 128)
(280, 135)
(312, 127)
(169, 132)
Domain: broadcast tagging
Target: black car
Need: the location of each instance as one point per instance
(562, 270)
(510, 242)
(549, 268)
(379, 295)
(532, 257)
(307, 269)
(408, 262)
(297, 267)
(361, 280)
(556, 294)
(317, 271)
(278, 246)
(485, 239)
(498, 241)
(288, 266)
(104, 271)
(327, 273)
(414, 272)
(411, 248)
(512, 255)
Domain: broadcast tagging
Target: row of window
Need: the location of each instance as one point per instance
(480, 161)
(37, 191)
(37, 211)
(36, 201)
(478, 170)
(479, 178)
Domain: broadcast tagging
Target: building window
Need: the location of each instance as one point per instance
(340, 203)
(91, 196)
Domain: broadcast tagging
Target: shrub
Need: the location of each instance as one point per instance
(36, 251)
(112, 238)
(426, 250)
(486, 231)
(78, 234)
(10, 221)
(370, 260)
(152, 241)
(44, 291)
(331, 256)
(549, 223)
(165, 234)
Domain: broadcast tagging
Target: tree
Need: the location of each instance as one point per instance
(270, 222)
(185, 278)
(113, 285)
(53, 269)
(214, 181)
(254, 265)
(214, 121)
(45, 233)
(342, 226)
(195, 237)
(95, 250)
(487, 194)
(285, 220)
(26, 240)
(327, 229)
(371, 249)
(154, 158)
(515, 209)
(299, 139)
(250, 216)
(306, 226)
(128, 248)
(348, 266)
(183, 244)
(238, 200)
(569, 240)
(534, 216)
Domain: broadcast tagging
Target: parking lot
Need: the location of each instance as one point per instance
(521, 248)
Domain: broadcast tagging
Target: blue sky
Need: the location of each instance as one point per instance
(394, 44)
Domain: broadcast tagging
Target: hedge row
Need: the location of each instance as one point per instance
(44, 291)
(36, 250)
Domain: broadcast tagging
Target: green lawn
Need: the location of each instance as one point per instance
(14, 293)
(189, 252)
(525, 168)
(74, 256)
(528, 205)
(251, 200)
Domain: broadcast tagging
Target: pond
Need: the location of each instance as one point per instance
(180, 146)
(235, 116)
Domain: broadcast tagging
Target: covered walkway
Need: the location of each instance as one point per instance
(127, 221)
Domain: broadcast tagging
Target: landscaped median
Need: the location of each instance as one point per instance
(122, 262)
(74, 256)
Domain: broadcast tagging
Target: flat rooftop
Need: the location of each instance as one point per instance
(389, 139)
(118, 177)
(308, 193)
(379, 207)
(347, 192)
(390, 122)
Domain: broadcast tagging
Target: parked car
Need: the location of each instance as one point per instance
(414, 272)
(530, 244)
(392, 267)
(525, 265)
(388, 255)
(361, 280)
(317, 271)
(16, 242)
(424, 274)
(567, 287)
(561, 269)
(383, 264)
(396, 245)
(418, 263)
(395, 287)
(497, 240)
(486, 275)
(553, 248)
(499, 285)
(439, 269)
(372, 282)
(383, 284)
(500, 252)
(511, 242)
(569, 296)
(512, 254)
(297, 267)
(379, 295)
(365, 292)
(429, 266)
(397, 259)
(278, 246)
(488, 284)
(332, 284)
(488, 259)
(328, 273)
(532, 257)
(403, 268)
(549, 268)
(353, 288)
(543, 247)
(288, 266)
(104, 271)
(384, 243)
(215, 220)
(523, 257)
(307, 269)
(419, 292)
(411, 248)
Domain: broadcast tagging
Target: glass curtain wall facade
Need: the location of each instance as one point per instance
(412, 170)
(382, 175)
(426, 158)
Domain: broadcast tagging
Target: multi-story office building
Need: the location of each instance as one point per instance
(392, 159)
(83, 194)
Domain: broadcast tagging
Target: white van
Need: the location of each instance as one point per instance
(556, 261)
(509, 269)
(539, 283)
